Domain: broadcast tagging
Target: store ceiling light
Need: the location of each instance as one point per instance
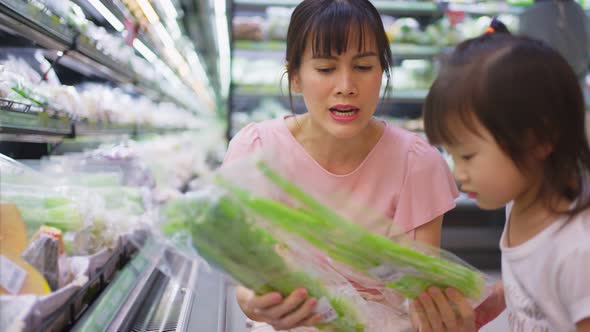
(106, 13)
(144, 50)
(164, 36)
(169, 9)
(148, 11)
(224, 64)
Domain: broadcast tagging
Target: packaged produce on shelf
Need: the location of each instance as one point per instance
(263, 72)
(85, 201)
(95, 102)
(273, 26)
(18, 83)
(267, 109)
(119, 163)
(70, 12)
(413, 74)
(277, 22)
(18, 276)
(175, 160)
(248, 27)
(442, 32)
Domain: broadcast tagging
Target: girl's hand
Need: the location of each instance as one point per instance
(435, 311)
(282, 314)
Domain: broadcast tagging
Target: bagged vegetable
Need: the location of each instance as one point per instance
(226, 235)
(397, 262)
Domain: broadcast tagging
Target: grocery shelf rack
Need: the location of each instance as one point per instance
(26, 20)
(20, 118)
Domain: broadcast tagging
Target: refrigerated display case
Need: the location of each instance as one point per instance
(78, 74)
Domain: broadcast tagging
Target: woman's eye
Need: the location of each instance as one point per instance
(467, 157)
(364, 68)
(325, 70)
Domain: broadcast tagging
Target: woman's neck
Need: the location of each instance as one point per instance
(338, 156)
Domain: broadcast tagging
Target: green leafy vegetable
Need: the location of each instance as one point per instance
(351, 244)
(224, 234)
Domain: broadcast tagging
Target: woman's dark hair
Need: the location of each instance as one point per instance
(328, 24)
(526, 95)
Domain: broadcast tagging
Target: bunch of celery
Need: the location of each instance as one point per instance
(351, 244)
(57, 211)
(224, 234)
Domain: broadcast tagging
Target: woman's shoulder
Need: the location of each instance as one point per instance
(409, 142)
(254, 131)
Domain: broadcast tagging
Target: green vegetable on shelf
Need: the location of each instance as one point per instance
(58, 212)
(351, 244)
(226, 236)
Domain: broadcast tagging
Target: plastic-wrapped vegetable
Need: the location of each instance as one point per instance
(227, 236)
(399, 265)
(39, 208)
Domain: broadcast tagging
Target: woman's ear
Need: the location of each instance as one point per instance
(295, 84)
(543, 150)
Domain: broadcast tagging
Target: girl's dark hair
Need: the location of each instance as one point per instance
(526, 95)
(328, 23)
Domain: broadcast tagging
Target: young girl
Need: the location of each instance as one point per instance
(511, 114)
(337, 53)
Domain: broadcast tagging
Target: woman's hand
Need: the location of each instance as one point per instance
(282, 314)
(435, 310)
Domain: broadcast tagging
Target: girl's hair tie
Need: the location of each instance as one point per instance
(489, 30)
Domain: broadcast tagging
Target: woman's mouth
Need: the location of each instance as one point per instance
(344, 113)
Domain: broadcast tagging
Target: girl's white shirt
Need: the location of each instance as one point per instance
(547, 279)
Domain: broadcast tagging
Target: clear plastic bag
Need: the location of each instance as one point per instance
(326, 220)
(217, 228)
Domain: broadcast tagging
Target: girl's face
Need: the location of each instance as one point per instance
(484, 171)
(341, 92)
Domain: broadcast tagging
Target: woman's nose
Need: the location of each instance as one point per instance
(346, 84)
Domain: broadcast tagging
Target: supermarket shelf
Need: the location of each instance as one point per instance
(32, 23)
(19, 118)
(257, 91)
(415, 96)
(411, 51)
(425, 8)
(126, 286)
(485, 8)
(274, 48)
(405, 8)
(67, 313)
(384, 6)
(30, 123)
(144, 297)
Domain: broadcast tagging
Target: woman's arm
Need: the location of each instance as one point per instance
(430, 232)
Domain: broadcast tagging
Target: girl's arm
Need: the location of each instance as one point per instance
(584, 326)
